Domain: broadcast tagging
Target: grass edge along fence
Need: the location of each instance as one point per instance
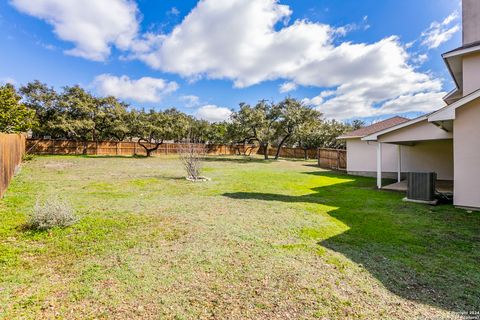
(327, 158)
(12, 150)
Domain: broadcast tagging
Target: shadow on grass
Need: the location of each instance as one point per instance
(422, 253)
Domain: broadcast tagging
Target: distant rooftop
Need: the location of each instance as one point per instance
(376, 127)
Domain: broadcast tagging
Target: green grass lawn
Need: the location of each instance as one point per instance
(261, 240)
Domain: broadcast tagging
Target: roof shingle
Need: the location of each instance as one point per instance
(376, 127)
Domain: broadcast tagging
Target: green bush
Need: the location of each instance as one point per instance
(28, 157)
(53, 212)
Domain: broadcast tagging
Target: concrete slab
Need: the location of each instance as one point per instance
(397, 186)
(442, 186)
(432, 203)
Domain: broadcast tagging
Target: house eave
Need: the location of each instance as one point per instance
(374, 136)
(448, 112)
(348, 137)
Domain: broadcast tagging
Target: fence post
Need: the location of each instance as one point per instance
(338, 159)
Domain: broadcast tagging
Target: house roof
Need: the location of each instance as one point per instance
(468, 47)
(374, 136)
(376, 127)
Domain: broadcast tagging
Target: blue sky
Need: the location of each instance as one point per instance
(351, 59)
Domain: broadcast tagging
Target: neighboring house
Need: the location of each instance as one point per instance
(446, 141)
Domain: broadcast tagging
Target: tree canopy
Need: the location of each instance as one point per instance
(14, 115)
(74, 113)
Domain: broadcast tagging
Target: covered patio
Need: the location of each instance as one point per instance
(421, 147)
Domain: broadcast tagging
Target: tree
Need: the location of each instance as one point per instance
(295, 117)
(306, 137)
(259, 123)
(153, 128)
(78, 111)
(217, 133)
(327, 133)
(356, 124)
(44, 100)
(112, 119)
(198, 131)
(14, 116)
(324, 134)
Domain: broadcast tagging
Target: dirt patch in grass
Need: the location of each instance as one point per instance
(58, 165)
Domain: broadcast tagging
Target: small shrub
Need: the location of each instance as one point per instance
(28, 157)
(192, 156)
(53, 212)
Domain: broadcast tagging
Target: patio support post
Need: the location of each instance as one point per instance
(399, 162)
(379, 165)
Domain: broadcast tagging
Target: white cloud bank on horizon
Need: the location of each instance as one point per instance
(213, 113)
(93, 26)
(249, 42)
(145, 89)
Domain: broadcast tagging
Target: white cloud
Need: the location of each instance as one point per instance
(190, 101)
(93, 26)
(287, 87)
(214, 42)
(213, 113)
(419, 102)
(145, 89)
(343, 30)
(354, 101)
(249, 42)
(441, 32)
(421, 58)
(174, 11)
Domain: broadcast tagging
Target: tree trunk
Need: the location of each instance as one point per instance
(277, 154)
(149, 150)
(85, 148)
(265, 150)
(305, 150)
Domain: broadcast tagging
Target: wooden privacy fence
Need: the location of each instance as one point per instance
(332, 159)
(286, 152)
(121, 148)
(327, 158)
(12, 149)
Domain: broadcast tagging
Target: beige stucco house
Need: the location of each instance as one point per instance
(446, 141)
(362, 155)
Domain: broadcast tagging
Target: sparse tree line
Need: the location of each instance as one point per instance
(76, 114)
